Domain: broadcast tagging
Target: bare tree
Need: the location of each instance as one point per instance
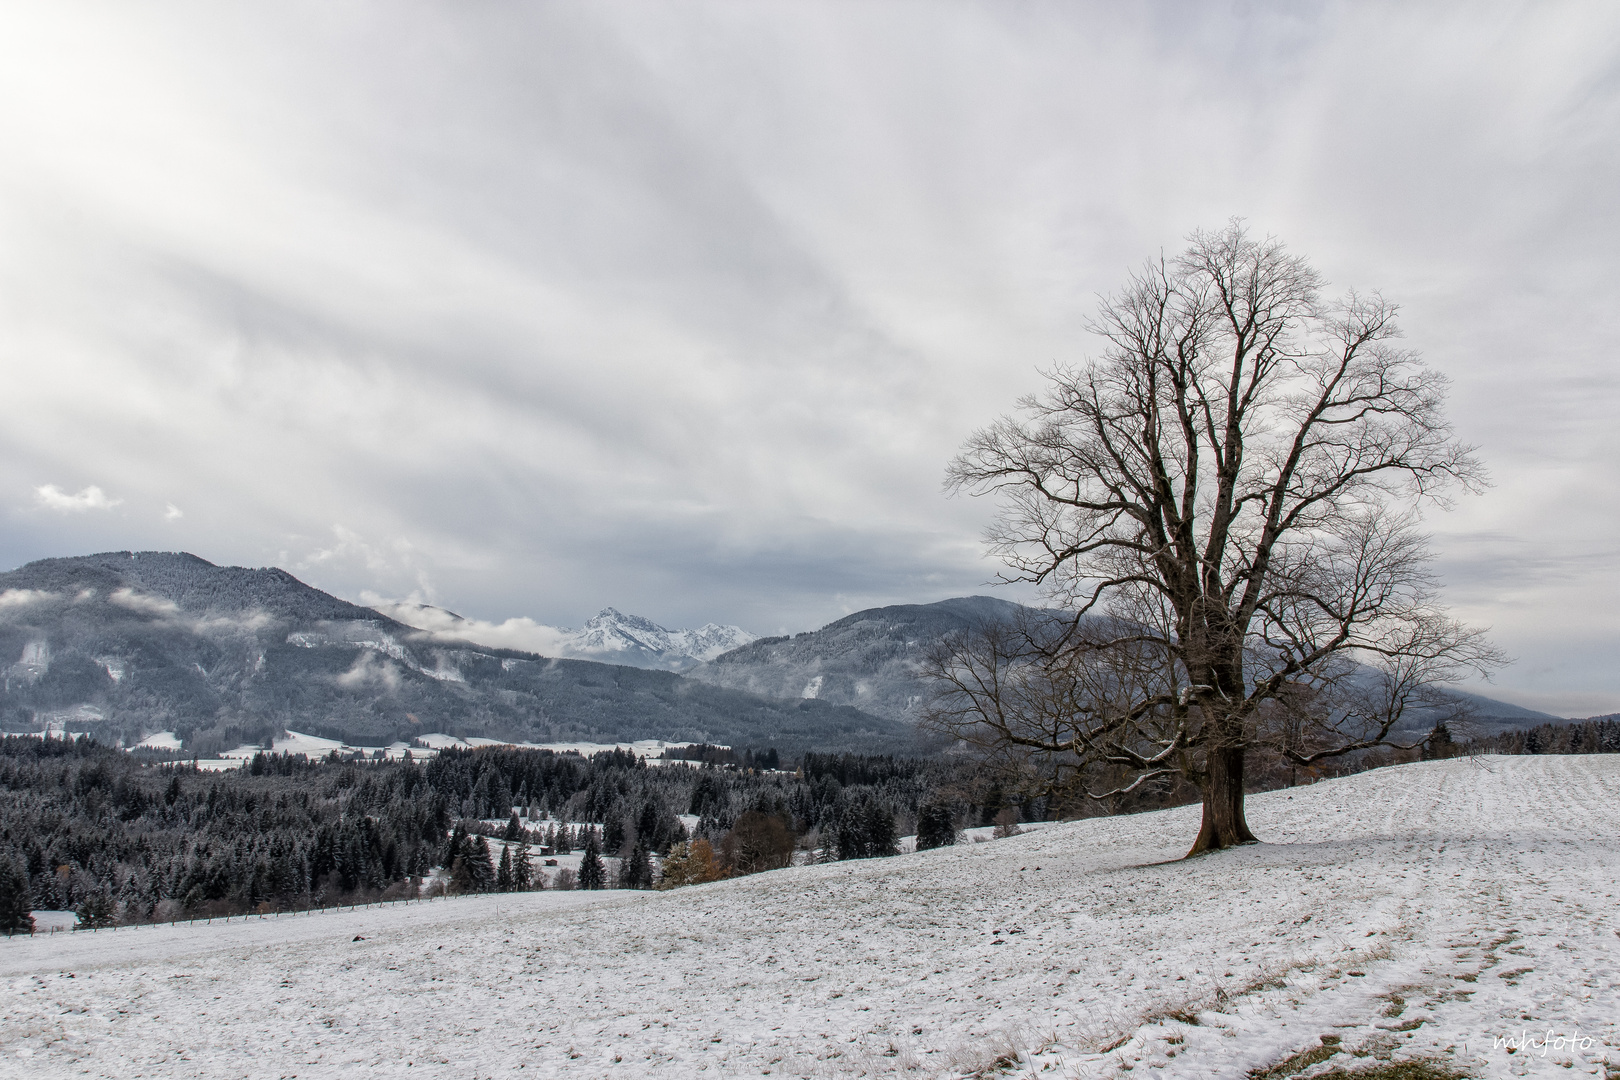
(1222, 511)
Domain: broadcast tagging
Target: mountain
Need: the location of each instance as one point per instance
(868, 660)
(611, 637)
(125, 644)
(630, 639)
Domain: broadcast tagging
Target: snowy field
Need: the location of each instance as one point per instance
(1426, 911)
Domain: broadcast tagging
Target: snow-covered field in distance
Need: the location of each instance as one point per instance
(1428, 910)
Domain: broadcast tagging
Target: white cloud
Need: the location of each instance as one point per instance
(370, 671)
(684, 307)
(13, 598)
(173, 513)
(52, 497)
(149, 605)
(523, 634)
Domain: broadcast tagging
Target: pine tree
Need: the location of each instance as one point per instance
(522, 870)
(638, 870)
(514, 829)
(592, 874)
(458, 845)
(934, 826)
(16, 907)
(852, 833)
(480, 868)
(880, 831)
(503, 872)
(96, 910)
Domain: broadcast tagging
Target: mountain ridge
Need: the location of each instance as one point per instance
(868, 660)
(128, 643)
(611, 636)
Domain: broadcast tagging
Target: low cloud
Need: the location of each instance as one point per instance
(16, 598)
(51, 497)
(173, 513)
(148, 605)
(522, 634)
(369, 671)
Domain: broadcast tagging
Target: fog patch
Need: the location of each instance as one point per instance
(369, 670)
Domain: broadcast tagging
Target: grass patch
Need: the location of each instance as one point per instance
(1299, 1062)
(1397, 1070)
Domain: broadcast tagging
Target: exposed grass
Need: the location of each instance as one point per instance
(1296, 1063)
(1396, 1070)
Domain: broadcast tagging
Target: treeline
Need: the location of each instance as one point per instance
(93, 829)
(1599, 735)
(90, 828)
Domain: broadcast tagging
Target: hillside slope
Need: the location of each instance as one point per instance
(1423, 911)
(869, 660)
(123, 644)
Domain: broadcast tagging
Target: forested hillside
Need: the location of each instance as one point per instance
(868, 660)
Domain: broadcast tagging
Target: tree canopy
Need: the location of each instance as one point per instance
(1223, 512)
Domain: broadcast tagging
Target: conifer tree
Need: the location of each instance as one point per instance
(503, 872)
(522, 870)
(852, 843)
(592, 874)
(480, 868)
(514, 829)
(880, 831)
(16, 907)
(638, 868)
(457, 848)
(96, 910)
(934, 826)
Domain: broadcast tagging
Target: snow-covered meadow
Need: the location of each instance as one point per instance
(1430, 910)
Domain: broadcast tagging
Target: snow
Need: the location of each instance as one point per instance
(296, 742)
(1481, 893)
(50, 922)
(161, 740)
(650, 749)
(611, 637)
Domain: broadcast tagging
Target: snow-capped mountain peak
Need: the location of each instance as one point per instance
(631, 639)
(611, 636)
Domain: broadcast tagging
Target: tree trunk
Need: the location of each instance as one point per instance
(1224, 825)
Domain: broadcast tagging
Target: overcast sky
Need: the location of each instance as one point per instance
(525, 309)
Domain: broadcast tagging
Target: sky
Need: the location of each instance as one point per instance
(527, 309)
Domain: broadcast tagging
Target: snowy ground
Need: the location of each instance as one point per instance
(1424, 911)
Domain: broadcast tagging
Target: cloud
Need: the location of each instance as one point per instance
(682, 308)
(147, 605)
(52, 497)
(16, 598)
(370, 671)
(523, 634)
(173, 513)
